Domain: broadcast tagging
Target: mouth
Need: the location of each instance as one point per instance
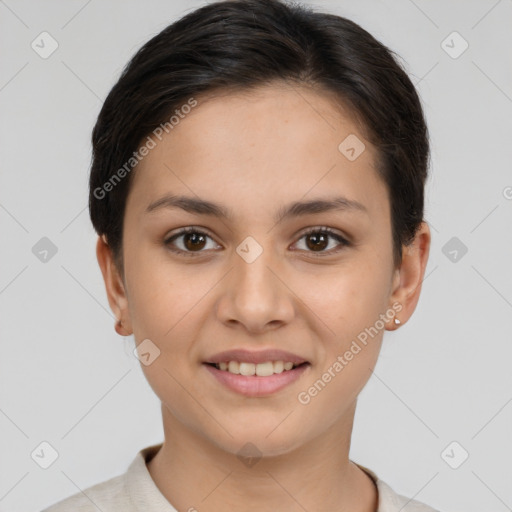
(256, 380)
(261, 369)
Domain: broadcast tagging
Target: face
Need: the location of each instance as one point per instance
(252, 281)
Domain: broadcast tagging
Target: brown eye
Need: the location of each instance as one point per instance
(317, 240)
(191, 240)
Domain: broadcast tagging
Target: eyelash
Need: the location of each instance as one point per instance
(323, 229)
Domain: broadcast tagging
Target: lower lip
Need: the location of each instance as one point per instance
(254, 385)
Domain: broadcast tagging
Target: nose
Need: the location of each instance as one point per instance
(255, 294)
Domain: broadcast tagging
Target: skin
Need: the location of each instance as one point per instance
(253, 152)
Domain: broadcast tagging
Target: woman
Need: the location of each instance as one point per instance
(257, 186)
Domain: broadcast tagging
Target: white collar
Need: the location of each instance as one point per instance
(140, 486)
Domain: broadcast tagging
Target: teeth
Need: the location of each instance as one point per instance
(260, 369)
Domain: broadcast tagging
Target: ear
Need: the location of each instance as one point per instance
(409, 277)
(115, 287)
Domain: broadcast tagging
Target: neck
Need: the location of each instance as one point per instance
(193, 473)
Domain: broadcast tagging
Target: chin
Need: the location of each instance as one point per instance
(256, 442)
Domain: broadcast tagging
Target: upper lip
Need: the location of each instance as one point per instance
(252, 356)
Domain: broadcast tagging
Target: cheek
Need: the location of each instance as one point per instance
(348, 299)
(350, 340)
(349, 306)
(161, 297)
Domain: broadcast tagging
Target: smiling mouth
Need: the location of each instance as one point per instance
(255, 380)
(258, 370)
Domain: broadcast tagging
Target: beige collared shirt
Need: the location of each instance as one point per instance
(135, 491)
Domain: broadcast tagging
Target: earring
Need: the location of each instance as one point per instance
(397, 322)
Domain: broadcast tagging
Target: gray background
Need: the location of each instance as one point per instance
(68, 379)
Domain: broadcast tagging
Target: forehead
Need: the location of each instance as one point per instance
(273, 144)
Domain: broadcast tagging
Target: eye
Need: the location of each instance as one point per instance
(193, 241)
(317, 239)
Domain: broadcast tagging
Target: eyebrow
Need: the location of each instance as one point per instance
(295, 209)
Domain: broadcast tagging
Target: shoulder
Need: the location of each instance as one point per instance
(131, 491)
(107, 496)
(390, 501)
